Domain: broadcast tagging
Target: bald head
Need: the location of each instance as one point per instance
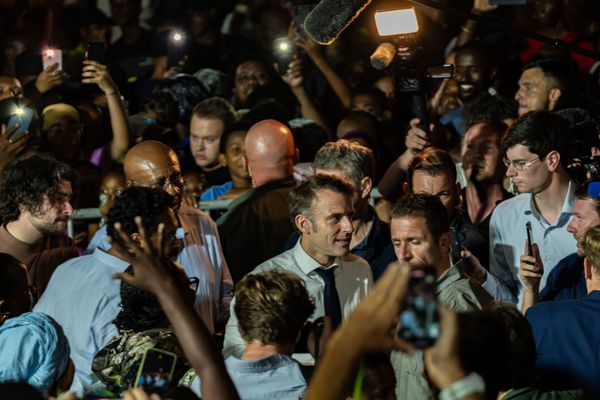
(270, 151)
(154, 164)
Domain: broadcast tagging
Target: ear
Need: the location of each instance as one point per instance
(445, 241)
(128, 183)
(366, 184)
(587, 269)
(222, 160)
(553, 160)
(303, 224)
(405, 187)
(296, 155)
(553, 97)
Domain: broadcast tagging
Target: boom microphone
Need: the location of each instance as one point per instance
(330, 17)
(383, 56)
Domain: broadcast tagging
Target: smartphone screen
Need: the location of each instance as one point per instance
(23, 117)
(96, 52)
(156, 369)
(52, 56)
(283, 52)
(529, 238)
(419, 318)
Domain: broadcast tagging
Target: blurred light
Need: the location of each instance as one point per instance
(49, 53)
(177, 37)
(396, 22)
(283, 46)
(19, 111)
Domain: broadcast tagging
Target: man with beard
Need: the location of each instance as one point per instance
(82, 295)
(35, 205)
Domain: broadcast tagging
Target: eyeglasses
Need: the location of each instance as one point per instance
(175, 180)
(194, 283)
(520, 165)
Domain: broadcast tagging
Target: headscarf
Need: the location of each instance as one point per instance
(33, 349)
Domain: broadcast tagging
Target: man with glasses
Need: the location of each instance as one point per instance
(533, 146)
(155, 165)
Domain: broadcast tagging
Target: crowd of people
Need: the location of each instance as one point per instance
(264, 210)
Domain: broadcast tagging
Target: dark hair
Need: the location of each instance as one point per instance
(433, 161)
(308, 137)
(303, 195)
(376, 94)
(141, 310)
(165, 107)
(216, 107)
(489, 109)
(148, 203)
(582, 193)
(28, 180)
(364, 121)
(522, 345)
(272, 307)
(541, 132)
(238, 126)
(426, 206)
(560, 69)
(186, 90)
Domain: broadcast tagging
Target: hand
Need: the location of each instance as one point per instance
(293, 76)
(442, 361)
(148, 260)
(10, 149)
(49, 78)
(311, 47)
(473, 266)
(531, 268)
(482, 6)
(416, 138)
(373, 324)
(94, 72)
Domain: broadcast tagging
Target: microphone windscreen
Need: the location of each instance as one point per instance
(383, 56)
(330, 17)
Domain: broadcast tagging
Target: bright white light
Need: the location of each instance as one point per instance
(396, 22)
(49, 53)
(283, 46)
(19, 111)
(177, 37)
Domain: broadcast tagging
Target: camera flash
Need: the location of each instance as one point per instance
(49, 53)
(283, 46)
(19, 111)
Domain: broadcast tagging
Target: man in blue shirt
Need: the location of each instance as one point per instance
(535, 160)
(565, 331)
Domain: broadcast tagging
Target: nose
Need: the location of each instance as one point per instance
(347, 225)
(403, 253)
(68, 209)
(511, 171)
(571, 228)
(518, 95)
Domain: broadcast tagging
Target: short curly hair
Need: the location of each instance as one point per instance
(28, 181)
(148, 203)
(272, 307)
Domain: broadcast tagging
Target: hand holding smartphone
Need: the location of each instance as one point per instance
(156, 370)
(21, 117)
(52, 56)
(529, 239)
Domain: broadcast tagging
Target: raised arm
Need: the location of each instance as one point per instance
(151, 274)
(94, 72)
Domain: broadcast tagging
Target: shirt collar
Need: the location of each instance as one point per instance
(109, 259)
(306, 262)
(449, 276)
(567, 207)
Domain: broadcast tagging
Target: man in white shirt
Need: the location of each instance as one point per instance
(533, 145)
(321, 209)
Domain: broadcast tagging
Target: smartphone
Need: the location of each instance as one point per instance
(529, 238)
(52, 56)
(283, 52)
(96, 52)
(419, 318)
(455, 245)
(156, 370)
(23, 116)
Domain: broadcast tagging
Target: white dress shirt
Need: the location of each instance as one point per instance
(353, 280)
(507, 243)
